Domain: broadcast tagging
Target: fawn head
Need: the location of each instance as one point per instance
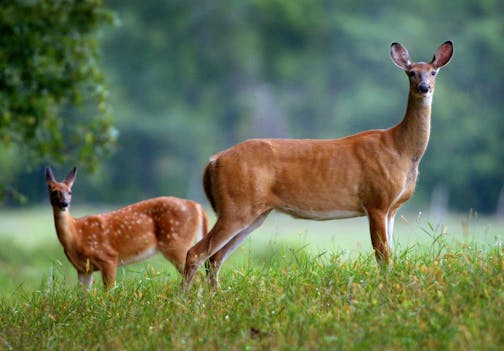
(422, 76)
(60, 193)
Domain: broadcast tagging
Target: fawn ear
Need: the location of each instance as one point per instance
(443, 54)
(69, 180)
(49, 176)
(400, 56)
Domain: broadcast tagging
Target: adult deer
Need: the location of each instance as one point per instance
(370, 173)
(130, 234)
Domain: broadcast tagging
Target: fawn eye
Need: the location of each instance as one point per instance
(433, 73)
(411, 74)
(69, 193)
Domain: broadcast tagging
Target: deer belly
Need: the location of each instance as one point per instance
(321, 215)
(138, 256)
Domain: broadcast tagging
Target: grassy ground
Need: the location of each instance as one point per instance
(291, 286)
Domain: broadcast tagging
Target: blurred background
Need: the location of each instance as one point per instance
(173, 82)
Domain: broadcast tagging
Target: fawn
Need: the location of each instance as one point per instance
(130, 234)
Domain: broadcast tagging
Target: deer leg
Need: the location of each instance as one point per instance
(85, 280)
(176, 254)
(215, 261)
(220, 256)
(108, 272)
(378, 229)
(222, 232)
(390, 228)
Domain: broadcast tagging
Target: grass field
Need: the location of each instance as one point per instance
(293, 285)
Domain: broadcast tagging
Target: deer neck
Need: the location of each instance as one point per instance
(65, 227)
(412, 134)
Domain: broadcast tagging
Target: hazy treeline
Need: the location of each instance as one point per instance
(189, 78)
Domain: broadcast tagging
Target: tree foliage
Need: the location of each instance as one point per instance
(49, 64)
(189, 78)
(203, 76)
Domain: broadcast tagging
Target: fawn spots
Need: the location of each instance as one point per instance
(93, 245)
(126, 235)
(174, 222)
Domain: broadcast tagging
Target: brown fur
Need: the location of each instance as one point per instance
(370, 173)
(102, 242)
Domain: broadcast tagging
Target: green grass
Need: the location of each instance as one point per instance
(439, 297)
(288, 287)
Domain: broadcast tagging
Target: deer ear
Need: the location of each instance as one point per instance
(443, 54)
(69, 180)
(400, 56)
(49, 176)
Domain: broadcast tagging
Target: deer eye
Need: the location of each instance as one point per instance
(411, 74)
(69, 193)
(433, 73)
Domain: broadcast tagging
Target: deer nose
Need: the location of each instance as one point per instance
(423, 87)
(64, 201)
